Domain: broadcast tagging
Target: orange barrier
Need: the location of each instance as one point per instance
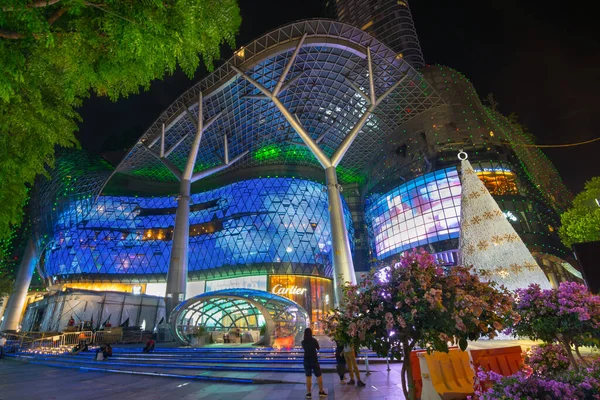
(505, 361)
(446, 375)
(284, 343)
(416, 371)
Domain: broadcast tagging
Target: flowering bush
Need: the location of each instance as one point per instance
(413, 302)
(569, 385)
(548, 359)
(569, 315)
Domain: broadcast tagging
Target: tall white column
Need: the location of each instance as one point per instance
(16, 302)
(178, 265)
(342, 254)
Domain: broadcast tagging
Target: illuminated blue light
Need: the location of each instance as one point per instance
(257, 221)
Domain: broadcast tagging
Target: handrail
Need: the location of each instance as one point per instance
(34, 340)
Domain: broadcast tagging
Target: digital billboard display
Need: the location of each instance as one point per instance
(421, 211)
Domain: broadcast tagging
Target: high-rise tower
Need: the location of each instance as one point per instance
(390, 21)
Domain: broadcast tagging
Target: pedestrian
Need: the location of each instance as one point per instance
(340, 362)
(311, 363)
(107, 351)
(350, 357)
(100, 352)
(149, 346)
(2, 344)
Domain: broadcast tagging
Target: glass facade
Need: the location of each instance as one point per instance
(418, 212)
(269, 222)
(497, 178)
(314, 294)
(239, 312)
(426, 210)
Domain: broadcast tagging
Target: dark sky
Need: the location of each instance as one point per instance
(538, 59)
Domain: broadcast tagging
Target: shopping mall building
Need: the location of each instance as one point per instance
(321, 152)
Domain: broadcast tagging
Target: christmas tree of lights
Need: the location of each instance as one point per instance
(487, 239)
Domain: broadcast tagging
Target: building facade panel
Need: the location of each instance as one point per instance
(263, 221)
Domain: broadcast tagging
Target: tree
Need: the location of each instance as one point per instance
(581, 222)
(569, 315)
(414, 302)
(54, 52)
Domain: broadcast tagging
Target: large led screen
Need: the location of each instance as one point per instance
(418, 212)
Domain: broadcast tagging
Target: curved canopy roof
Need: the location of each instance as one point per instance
(326, 88)
(228, 309)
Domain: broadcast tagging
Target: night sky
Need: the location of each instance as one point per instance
(539, 60)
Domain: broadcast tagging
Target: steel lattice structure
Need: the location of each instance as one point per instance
(227, 309)
(325, 89)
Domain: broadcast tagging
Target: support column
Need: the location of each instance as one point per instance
(178, 265)
(16, 302)
(343, 267)
(342, 256)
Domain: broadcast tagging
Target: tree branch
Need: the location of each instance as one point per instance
(11, 35)
(16, 35)
(37, 4)
(56, 15)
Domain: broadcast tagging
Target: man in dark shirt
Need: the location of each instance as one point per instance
(311, 363)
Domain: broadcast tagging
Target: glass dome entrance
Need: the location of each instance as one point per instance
(240, 313)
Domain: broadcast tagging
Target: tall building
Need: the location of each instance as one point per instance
(301, 111)
(389, 21)
(343, 155)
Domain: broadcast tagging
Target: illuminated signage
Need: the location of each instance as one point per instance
(497, 169)
(282, 290)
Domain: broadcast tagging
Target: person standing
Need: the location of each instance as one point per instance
(340, 362)
(350, 357)
(311, 363)
(2, 344)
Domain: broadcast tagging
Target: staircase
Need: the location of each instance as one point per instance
(236, 365)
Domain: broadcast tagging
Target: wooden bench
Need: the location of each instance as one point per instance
(446, 376)
(505, 361)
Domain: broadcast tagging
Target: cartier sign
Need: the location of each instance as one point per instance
(282, 290)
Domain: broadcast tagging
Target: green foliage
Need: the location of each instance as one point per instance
(6, 282)
(581, 222)
(263, 329)
(53, 53)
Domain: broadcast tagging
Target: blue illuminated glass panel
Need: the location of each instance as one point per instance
(424, 210)
(267, 220)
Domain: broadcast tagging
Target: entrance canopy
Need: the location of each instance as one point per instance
(239, 310)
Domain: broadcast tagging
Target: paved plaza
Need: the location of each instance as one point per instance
(19, 380)
(25, 380)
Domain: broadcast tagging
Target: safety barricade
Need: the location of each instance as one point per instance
(505, 361)
(108, 337)
(416, 371)
(446, 376)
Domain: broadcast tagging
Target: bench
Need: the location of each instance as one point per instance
(505, 361)
(446, 376)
